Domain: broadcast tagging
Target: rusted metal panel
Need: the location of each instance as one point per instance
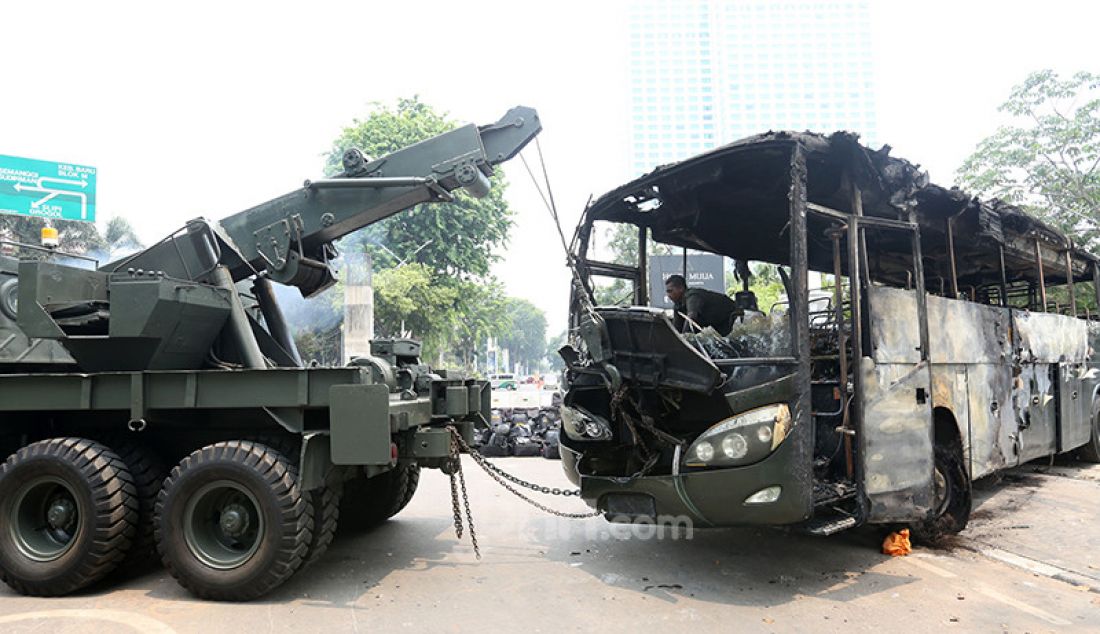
(961, 331)
(992, 418)
(896, 440)
(1050, 338)
(1034, 397)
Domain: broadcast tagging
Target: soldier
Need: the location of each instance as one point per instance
(705, 308)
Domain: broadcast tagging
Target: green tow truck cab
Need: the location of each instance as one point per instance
(157, 407)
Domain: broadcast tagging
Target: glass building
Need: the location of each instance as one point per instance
(707, 72)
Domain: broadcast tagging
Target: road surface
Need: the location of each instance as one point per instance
(1028, 563)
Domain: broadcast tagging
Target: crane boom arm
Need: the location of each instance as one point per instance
(290, 237)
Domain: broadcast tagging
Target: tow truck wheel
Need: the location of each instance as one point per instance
(952, 497)
(148, 472)
(368, 502)
(70, 512)
(326, 513)
(231, 521)
(1091, 451)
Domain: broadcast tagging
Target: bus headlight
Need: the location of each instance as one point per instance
(743, 439)
(580, 424)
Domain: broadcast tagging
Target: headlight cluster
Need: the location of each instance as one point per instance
(580, 424)
(742, 439)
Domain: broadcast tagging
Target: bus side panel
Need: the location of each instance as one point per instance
(1074, 405)
(949, 392)
(1036, 409)
(992, 418)
(1051, 351)
(972, 377)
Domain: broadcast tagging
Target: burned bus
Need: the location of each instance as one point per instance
(927, 339)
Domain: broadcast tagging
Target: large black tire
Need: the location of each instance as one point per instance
(149, 472)
(368, 502)
(326, 514)
(953, 499)
(68, 512)
(231, 522)
(1091, 451)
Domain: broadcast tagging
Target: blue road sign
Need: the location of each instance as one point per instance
(44, 189)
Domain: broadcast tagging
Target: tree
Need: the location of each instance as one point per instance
(453, 239)
(74, 236)
(1046, 161)
(764, 283)
(407, 301)
(525, 336)
(551, 355)
(481, 315)
(119, 238)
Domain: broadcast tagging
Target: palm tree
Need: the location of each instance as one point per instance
(119, 238)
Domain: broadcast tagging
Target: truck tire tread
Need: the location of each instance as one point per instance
(295, 514)
(112, 526)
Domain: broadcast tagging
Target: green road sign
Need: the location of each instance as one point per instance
(60, 191)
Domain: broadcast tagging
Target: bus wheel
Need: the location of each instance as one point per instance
(951, 500)
(69, 512)
(1091, 451)
(231, 521)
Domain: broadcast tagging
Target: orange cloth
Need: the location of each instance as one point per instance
(897, 544)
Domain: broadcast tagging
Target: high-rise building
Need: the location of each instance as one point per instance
(706, 72)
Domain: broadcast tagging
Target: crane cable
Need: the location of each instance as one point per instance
(547, 197)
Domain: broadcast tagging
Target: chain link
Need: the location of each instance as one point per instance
(503, 478)
(458, 479)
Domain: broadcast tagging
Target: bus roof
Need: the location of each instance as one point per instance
(734, 200)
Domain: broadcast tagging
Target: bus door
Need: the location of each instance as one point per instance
(893, 376)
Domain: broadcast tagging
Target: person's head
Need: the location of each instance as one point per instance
(675, 287)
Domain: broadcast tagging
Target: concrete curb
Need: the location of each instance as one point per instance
(1038, 567)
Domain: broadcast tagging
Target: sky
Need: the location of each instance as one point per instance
(207, 108)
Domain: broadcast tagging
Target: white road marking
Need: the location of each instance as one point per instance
(138, 622)
(1023, 607)
(916, 560)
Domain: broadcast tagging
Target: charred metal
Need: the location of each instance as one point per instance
(934, 356)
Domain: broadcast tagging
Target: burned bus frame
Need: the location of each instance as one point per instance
(914, 417)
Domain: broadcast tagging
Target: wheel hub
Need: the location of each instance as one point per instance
(234, 520)
(45, 518)
(223, 525)
(62, 512)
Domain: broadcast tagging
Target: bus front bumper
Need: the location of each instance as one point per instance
(714, 497)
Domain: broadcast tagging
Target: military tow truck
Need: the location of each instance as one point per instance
(157, 405)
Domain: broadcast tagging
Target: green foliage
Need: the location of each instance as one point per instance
(119, 237)
(432, 262)
(75, 237)
(765, 283)
(1047, 160)
(525, 336)
(455, 239)
(622, 248)
(319, 344)
(552, 357)
(406, 300)
(482, 313)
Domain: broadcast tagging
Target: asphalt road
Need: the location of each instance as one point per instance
(1029, 563)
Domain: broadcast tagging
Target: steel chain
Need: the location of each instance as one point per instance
(459, 479)
(502, 478)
